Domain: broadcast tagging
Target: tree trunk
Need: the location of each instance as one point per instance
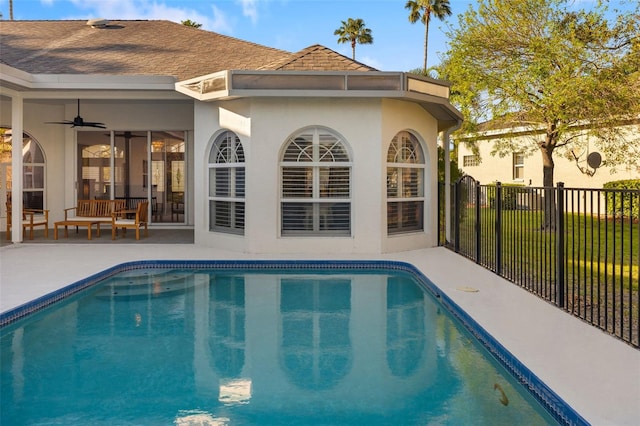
(546, 148)
(426, 43)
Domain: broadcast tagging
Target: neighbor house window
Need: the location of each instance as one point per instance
(405, 184)
(315, 172)
(518, 166)
(471, 161)
(226, 184)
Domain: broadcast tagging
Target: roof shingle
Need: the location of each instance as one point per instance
(148, 47)
(317, 58)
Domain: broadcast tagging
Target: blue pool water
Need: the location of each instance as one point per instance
(183, 345)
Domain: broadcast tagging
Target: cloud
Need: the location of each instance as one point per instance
(250, 9)
(113, 9)
(145, 9)
(220, 23)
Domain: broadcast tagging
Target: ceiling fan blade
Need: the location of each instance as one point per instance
(78, 121)
(93, 124)
(59, 122)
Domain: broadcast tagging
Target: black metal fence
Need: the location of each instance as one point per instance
(576, 248)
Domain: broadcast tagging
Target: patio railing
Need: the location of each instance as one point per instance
(576, 248)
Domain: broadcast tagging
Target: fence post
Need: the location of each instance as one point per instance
(560, 296)
(456, 216)
(478, 227)
(498, 228)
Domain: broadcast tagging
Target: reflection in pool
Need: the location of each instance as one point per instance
(194, 346)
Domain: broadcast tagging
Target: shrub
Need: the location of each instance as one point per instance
(623, 203)
(510, 193)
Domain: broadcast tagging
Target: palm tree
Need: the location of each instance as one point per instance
(422, 10)
(190, 23)
(354, 31)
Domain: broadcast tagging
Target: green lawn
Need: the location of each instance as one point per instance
(594, 248)
(601, 263)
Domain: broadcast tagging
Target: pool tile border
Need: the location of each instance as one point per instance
(552, 403)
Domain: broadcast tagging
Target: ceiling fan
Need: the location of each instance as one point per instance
(79, 121)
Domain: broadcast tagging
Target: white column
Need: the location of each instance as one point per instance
(16, 167)
(447, 179)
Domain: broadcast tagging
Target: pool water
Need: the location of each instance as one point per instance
(258, 347)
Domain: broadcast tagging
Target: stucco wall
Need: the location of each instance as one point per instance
(264, 125)
(495, 168)
(399, 116)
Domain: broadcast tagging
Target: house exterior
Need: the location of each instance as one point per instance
(257, 149)
(573, 167)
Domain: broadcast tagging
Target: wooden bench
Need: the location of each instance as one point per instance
(93, 211)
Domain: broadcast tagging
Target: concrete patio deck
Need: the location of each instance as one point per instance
(596, 374)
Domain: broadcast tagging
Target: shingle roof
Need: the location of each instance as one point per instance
(143, 47)
(317, 58)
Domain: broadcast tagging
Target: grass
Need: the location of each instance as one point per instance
(601, 262)
(607, 249)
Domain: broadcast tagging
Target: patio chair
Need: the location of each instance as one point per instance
(119, 220)
(31, 218)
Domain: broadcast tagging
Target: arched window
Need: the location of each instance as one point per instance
(33, 170)
(405, 184)
(315, 344)
(316, 185)
(226, 184)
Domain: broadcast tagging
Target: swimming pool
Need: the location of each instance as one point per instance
(261, 343)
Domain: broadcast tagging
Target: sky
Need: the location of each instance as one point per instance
(290, 25)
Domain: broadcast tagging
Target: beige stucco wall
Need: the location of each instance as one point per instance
(495, 168)
(265, 124)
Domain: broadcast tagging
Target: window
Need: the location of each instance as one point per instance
(315, 349)
(135, 166)
(33, 171)
(471, 161)
(405, 184)
(226, 184)
(518, 166)
(316, 185)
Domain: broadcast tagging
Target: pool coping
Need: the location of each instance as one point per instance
(554, 405)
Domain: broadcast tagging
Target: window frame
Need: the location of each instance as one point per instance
(234, 199)
(313, 201)
(33, 195)
(470, 161)
(402, 203)
(518, 166)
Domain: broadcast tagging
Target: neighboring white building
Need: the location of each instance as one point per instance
(259, 150)
(521, 167)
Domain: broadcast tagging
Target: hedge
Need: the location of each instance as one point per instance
(623, 203)
(510, 193)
